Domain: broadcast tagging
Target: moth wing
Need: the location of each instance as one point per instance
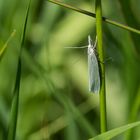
(94, 77)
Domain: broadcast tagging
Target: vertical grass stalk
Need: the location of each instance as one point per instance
(103, 119)
(15, 101)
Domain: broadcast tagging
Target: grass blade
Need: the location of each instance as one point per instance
(94, 15)
(133, 113)
(114, 132)
(15, 101)
(2, 51)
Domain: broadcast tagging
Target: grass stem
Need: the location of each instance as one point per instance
(94, 15)
(103, 120)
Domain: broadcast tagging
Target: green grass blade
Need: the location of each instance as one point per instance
(15, 101)
(2, 51)
(115, 132)
(134, 113)
(103, 119)
(94, 15)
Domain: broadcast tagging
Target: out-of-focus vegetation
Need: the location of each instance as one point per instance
(54, 99)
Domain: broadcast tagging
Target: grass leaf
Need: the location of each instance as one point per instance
(2, 51)
(94, 15)
(114, 132)
(15, 101)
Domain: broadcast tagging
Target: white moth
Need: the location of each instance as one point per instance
(93, 67)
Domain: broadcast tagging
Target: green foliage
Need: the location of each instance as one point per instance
(117, 131)
(54, 102)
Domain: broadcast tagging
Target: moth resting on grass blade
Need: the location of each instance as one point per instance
(93, 66)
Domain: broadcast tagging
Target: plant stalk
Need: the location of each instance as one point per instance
(103, 118)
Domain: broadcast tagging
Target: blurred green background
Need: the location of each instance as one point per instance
(54, 100)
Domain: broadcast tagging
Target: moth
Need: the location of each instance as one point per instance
(93, 67)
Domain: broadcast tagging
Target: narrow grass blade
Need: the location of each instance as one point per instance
(94, 15)
(133, 113)
(2, 51)
(115, 132)
(15, 101)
